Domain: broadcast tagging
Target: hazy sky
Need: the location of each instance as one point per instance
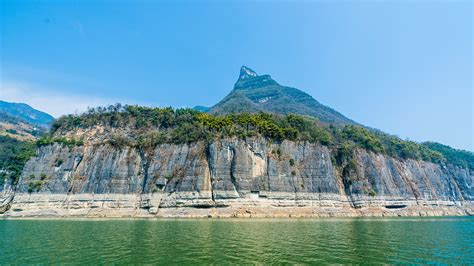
(405, 67)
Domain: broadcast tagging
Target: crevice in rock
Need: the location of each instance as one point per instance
(233, 162)
(347, 183)
(268, 173)
(411, 185)
(77, 161)
(395, 206)
(145, 164)
(209, 157)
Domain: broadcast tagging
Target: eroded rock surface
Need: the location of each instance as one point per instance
(233, 178)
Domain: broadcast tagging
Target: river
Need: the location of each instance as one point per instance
(228, 241)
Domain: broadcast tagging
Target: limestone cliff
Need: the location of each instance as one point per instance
(271, 150)
(233, 177)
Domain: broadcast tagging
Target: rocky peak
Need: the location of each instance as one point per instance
(255, 93)
(249, 79)
(246, 73)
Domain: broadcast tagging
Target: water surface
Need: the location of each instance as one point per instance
(396, 240)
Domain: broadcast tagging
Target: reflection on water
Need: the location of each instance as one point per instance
(413, 240)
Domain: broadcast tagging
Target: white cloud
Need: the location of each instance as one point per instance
(52, 102)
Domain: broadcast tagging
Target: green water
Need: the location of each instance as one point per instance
(401, 240)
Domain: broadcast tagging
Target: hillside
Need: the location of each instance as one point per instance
(26, 113)
(19, 129)
(255, 93)
(22, 122)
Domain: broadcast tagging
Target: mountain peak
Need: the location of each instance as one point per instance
(254, 93)
(246, 72)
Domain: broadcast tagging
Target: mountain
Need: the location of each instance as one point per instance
(201, 108)
(18, 129)
(254, 93)
(134, 161)
(26, 113)
(22, 122)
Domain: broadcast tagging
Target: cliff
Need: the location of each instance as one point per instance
(232, 177)
(266, 150)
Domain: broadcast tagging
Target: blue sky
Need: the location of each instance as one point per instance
(405, 67)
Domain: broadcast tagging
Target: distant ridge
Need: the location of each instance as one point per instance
(26, 113)
(201, 108)
(254, 93)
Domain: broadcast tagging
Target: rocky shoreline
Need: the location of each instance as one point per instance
(151, 206)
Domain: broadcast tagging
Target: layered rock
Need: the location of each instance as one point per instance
(233, 177)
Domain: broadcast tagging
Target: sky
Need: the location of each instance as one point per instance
(405, 67)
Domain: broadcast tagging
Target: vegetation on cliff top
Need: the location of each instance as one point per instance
(13, 156)
(457, 157)
(153, 126)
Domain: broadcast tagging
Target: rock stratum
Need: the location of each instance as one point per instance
(232, 178)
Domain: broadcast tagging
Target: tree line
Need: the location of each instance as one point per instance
(167, 125)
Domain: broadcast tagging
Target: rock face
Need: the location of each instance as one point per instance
(232, 178)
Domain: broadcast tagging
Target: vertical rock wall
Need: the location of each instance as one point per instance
(230, 171)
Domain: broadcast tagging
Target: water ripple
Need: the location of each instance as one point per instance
(238, 241)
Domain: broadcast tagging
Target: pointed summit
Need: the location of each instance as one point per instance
(255, 93)
(246, 72)
(249, 79)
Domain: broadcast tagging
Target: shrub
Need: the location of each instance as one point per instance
(363, 138)
(34, 186)
(345, 152)
(70, 142)
(13, 156)
(58, 162)
(151, 139)
(120, 142)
